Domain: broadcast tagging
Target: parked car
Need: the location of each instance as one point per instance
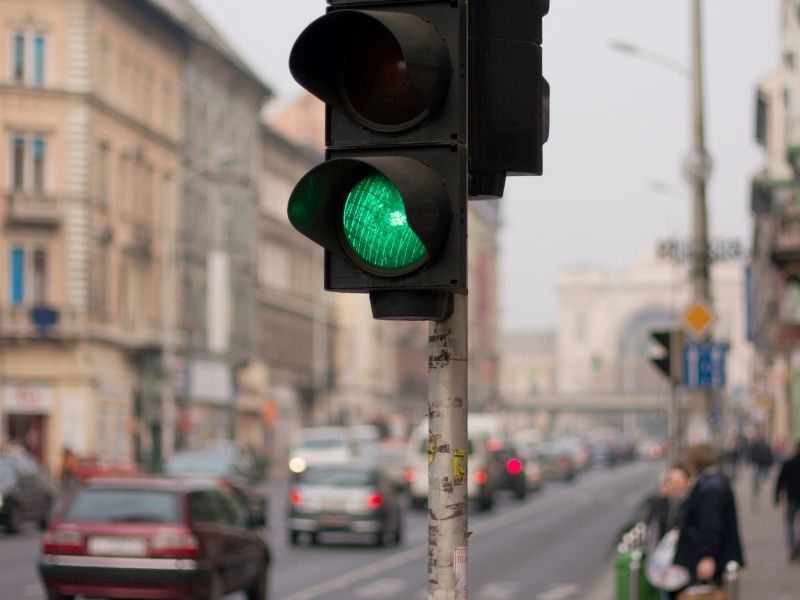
(480, 484)
(26, 493)
(154, 538)
(321, 445)
(556, 461)
(236, 469)
(508, 467)
(355, 498)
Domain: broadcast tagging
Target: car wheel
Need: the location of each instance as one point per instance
(294, 538)
(418, 503)
(522, 493)
(259, 589)
(486, 504)
(45, 516)
(314, 539)
(14, 522)
(54, 596)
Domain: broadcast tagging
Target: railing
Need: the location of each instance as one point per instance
(33, 208)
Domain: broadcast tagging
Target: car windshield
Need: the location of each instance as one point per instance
(339, 477)
(7, 472)
(116, 505)
(199, 463)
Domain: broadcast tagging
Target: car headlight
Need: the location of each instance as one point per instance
(297, 464)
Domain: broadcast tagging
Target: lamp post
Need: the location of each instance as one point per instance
(168, 286)
(697, 170)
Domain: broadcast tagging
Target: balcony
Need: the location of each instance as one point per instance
(20, 322)
(33, 208)
(786, 244)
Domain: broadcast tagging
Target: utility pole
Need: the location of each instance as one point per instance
(698, 171)
(447, 455)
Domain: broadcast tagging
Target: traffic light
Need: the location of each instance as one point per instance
(669, 358)
(388, 205)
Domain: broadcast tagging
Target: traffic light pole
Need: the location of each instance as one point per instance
(447, 455)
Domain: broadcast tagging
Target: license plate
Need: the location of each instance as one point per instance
(117, 546)
(333, 520)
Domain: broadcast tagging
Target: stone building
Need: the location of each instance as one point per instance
(90, 129)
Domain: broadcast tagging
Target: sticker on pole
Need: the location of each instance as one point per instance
(460, 571)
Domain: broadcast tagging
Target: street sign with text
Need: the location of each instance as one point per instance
(704, 365)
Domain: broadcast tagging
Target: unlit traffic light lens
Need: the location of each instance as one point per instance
(377, 84)
(376, 227)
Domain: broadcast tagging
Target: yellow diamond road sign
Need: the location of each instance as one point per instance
(698, 318)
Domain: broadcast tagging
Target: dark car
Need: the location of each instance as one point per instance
(25, 491)
(351, 498)
(508, 467)
(153, 538)
(236, 468)
(555, 461)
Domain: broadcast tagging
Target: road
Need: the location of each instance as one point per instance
(548, 547)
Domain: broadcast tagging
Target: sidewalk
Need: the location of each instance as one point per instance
(768, 575)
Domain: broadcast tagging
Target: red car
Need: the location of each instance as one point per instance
(154, 538)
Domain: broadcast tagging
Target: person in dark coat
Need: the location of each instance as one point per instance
(709, 528)
(789, 481)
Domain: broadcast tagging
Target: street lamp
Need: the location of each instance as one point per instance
(168, 285)
(697, 170)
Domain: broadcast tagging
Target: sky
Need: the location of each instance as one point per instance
(619, 130)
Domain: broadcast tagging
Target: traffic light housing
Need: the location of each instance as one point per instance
(669, 360)
(388, 205)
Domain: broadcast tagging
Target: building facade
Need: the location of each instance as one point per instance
(774, 290)
(90, 147)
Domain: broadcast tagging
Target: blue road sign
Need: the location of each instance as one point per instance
(704, 365)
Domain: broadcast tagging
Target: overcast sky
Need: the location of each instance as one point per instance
(618, 124)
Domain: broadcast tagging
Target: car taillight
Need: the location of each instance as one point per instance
(514, 466)
(62, 542)
(295, 499)
(480, 477)
(174, 545)
(374, 501)
(409, 475)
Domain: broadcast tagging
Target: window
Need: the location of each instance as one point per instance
(17, 275)
(29, 57)
(21, 272)
(28, 162)
(39, 287)
(18, 54)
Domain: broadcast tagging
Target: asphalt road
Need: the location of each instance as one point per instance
(551, 546)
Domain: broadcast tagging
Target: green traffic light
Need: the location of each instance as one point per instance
(376, 227)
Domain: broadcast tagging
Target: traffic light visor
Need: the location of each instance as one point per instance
(388, 71)
(388, 215)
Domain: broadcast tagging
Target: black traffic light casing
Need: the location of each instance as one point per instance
(408, 124)
(670, 357)
(509, 98)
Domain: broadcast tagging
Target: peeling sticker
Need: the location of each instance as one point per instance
(431, 447)
(439, 361)
(447, 485)
(459, 473)
(460, 571)
(444, 449)
(456, 510)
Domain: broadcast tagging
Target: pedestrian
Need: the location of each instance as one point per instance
(789, 482)
(69, 469)
(762, 459)
(709, 529)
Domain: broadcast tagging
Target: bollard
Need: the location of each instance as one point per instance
(732, 580)
(633, 582)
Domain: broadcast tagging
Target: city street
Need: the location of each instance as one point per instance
(549, 547)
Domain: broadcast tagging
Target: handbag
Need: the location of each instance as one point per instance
(660, 569)
(703, 592)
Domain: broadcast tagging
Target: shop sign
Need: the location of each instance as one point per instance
(28, 399)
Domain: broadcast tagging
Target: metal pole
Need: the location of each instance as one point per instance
(447, 455)
(674, 424)
(699, 170)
